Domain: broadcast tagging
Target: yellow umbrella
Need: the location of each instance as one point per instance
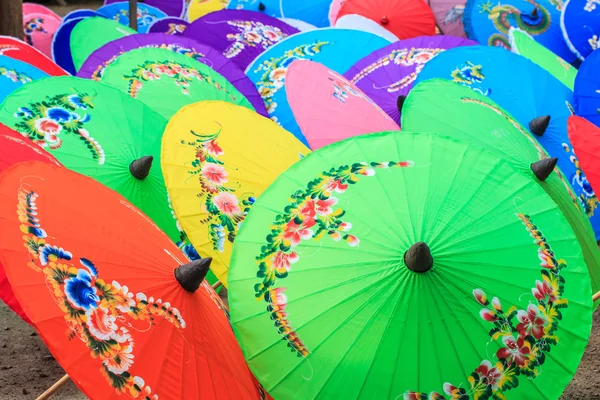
(199, 8)
(217, 158)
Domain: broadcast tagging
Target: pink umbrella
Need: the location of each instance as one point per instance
(449, 16)
(39, 26)
(328, 108)
(334, 10)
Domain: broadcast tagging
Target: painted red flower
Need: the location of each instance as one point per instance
(489, 375)
(285, 260)
(213, 148)
(324, 207)
(532, 322)
(227, 203)
(488, 315)
(296, 232)
(335, 186)
(309, 209)
(214, 173)
(547, 258)
(516, 351)
(480, 297)
(543, 290)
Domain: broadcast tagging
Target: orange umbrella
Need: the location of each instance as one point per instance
(404, 18)
(585, 138)
(109, 295)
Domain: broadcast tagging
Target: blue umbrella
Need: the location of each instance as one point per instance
(14, 74)
(83, 13)
(580, 24)
(587, 89)
(61, 45)
(314, 12)
(120, 12)
(534, 97)
(489, 22)
(337, 49)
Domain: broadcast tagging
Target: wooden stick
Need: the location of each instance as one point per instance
(54, 388)
(217, 285)
(596, 296)
(133, 14)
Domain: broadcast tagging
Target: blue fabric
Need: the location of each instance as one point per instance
(315, 12)
(337, 49)
(587, 85)
(525, 91)
(14, 74)
(580, 23)
(61, 45)
(147, 15)
(79, 14)
(488, 22)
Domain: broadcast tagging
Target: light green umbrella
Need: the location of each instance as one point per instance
(522, 43)
(399, 265)
(90, 34)
(100, 132)
(167, 81)
(448, 108)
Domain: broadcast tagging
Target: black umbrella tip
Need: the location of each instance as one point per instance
(539, 125)
(543, 168)
(400, 102)
(262, 7)
(418, 258)
(191, 275)
(140, 168)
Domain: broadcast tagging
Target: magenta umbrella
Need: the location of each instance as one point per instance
(94, 66)
(388, 74)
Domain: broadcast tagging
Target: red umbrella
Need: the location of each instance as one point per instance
(404, 18)
(585, 138)
(19, 50)
(14, 148)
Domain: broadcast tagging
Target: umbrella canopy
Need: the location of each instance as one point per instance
(199, 8)
(404, 18)
(587, 84)
(61, 45)
(39, 29)
(81, 13)
(19, 50)
(360, 23)
(449, 16)
(393, 250)
(334, 10)
(97, 62)
(169, 25)
(489, 24)
(525, 45)
(92, 33)
(314, 12)
(470, 117)
(217, 158)
(99, 132)
(337, 49)
(240, 35)
(14, 149)
(580, 26)
(167, 81)
(585, 137)
(506, 78)
(328, 108)
(173, 8)
(388, 74)
(298, 24)
(14, 74)
(112, 298)
(119, 11)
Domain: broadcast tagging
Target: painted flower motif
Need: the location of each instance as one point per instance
(49, 128)
(121, 361)
(50, 253)
(295, 233)
(80, 292)
(454, 392)
(213, 148)
(532, 322)
(220, 234)
(277, 76)
(490, 375)
(252, 37)
(324, 207)
(545, 291)
(516, 351)
(284, 261)
(61, 115)
(227, 203)
(488, 315)
(101, 324)
(480, 297)
(77, 101)
(214, 173)
(334, 185)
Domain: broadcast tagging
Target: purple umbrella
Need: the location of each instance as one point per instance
(388, 74)
(240, 35)
(94, 66)
(174, 8)
(169, 25)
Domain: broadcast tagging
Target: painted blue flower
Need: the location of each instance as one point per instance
(76, 101)
(189, 250)
(50, 253)
(89, 265)
(60, 114)
(286, 62)
(221, 238)
(23, 112)
(80, 292)
(86, 118)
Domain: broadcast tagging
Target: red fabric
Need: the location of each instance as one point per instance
(585, 138)
(96, 277)
(404, 18)
(15, 148)
(19, 50)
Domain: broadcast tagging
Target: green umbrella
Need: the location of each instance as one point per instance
(392, 265)
(167, 81)
(451, 109)
(90, 34)
(98, 131)
(525, 45)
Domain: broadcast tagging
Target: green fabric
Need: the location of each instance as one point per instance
(97, 131)
(324, 306)
(525, 45)
(166, 81)
(92, 33)
(450, 109)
